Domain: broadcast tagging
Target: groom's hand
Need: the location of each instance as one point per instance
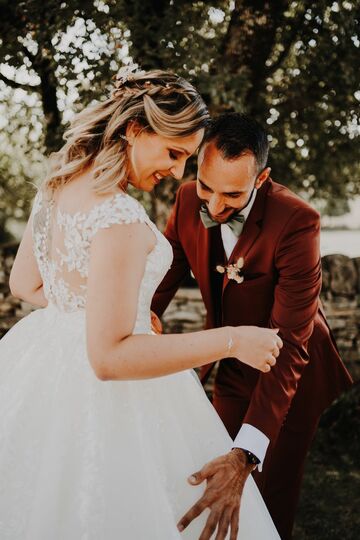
(225, 476)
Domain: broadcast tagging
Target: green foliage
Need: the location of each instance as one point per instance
(292, 64)
(51, 55)
(21, 158)
(58, 50)
(316, 103)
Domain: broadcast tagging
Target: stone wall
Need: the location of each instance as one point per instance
(341, 299)
(340, 296)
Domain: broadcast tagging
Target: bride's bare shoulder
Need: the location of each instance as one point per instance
(78, 195)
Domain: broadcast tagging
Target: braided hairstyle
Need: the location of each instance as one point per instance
(159, 101)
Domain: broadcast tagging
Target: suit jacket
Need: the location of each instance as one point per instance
(282, 271)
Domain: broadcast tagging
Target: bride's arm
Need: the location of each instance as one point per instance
(117, 264)
(25, 279)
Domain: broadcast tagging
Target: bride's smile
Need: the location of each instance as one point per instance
(153, 157)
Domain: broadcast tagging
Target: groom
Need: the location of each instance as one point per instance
(253, 247)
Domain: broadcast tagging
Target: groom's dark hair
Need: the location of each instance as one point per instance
(235, 134)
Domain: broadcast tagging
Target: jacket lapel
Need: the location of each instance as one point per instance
(251, 230)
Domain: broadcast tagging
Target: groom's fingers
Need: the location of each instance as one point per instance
(235, 524)
(224, 524)
(193, 513)
(210, 526)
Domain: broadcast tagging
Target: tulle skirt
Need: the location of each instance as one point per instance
(84, 459)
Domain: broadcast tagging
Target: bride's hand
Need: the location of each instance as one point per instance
(257, 347)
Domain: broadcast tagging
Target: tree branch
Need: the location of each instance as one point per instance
(27, 53)
(14, 84)
(297, 25)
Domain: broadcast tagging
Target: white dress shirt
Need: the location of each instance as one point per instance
(228, 237)
(249, 437)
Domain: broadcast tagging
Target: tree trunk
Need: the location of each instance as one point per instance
(145, 37)
(248, 45)
(48, 86)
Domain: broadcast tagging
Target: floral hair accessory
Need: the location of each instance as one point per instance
(126, 74)
(233, 271)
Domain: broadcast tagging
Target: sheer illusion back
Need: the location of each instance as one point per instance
(62, 249)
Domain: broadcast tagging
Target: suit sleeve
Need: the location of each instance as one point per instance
(296, 302)
(180, 266)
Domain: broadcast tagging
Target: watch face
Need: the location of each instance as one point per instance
(251, 458)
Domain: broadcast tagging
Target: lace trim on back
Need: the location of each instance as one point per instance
(62, 243)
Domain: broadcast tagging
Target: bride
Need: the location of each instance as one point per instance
(102, 421)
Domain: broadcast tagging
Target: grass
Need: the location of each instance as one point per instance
(330, 502)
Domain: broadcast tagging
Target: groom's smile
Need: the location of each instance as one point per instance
(226, 185)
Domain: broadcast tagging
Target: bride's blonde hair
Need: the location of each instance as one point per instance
(160, 101)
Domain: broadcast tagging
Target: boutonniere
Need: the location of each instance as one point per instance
(233, 271)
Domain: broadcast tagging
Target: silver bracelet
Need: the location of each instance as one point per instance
(230, 343)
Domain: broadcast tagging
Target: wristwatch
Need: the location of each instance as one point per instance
(252, 459)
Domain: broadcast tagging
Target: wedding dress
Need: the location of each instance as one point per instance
(83, 459)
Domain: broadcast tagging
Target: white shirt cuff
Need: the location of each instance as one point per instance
(253, 440)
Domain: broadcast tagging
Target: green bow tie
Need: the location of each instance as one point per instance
(235, 222)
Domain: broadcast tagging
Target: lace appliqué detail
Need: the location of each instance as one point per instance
(41, 216)
(80, 228)
(62, 248)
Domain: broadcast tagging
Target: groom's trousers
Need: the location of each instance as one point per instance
(281, 476)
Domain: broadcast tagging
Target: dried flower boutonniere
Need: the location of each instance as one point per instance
(234, 271)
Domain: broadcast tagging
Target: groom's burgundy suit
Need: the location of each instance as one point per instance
(282, 281)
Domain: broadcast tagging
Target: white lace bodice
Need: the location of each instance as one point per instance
(62, 249)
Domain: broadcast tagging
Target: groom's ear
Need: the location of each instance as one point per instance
(262, 177)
